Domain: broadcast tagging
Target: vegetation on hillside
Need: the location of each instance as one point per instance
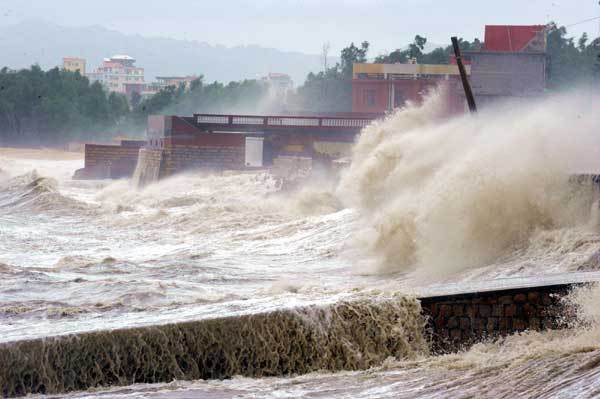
(45, 107)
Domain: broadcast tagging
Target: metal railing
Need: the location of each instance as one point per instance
(292, 121)
(284, 121)
(247, 120)
(220, 119)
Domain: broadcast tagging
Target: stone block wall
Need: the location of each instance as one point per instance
(108, 161)
(178, 158)
(457, 321)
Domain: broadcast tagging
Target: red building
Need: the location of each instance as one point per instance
(511, 65)
(515, 38)
(377, 88)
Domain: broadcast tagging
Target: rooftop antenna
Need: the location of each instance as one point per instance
(463, 76)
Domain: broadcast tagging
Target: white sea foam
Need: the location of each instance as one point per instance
(441, 196)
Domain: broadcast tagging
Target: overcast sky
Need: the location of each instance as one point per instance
(304, 25)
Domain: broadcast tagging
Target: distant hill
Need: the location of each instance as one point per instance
(41, 42)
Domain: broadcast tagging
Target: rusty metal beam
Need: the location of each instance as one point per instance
(463, 76)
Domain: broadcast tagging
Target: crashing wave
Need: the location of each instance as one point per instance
(443, 196)
(344, 336)
(36, 192)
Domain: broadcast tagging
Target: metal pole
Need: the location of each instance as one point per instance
(463, 76)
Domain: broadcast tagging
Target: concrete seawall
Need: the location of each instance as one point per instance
(342, 336)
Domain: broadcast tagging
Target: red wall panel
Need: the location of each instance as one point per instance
(359, 88)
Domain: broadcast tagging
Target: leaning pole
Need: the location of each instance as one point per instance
(463, 76)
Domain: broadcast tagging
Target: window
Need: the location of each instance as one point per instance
(369, 96)
(399, 99)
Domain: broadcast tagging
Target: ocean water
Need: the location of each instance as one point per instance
(428, 205)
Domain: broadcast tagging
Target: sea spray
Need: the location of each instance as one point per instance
(238, 211)
(343, 336)
(444, 195)
(148, 167)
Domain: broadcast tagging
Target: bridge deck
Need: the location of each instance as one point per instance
(272, 124)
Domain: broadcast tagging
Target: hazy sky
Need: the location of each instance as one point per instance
(304, 25)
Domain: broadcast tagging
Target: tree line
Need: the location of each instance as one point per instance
(46, 107)
(54, 106)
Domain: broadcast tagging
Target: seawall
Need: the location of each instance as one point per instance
(342, 336)
(457, 321)
(103, 161)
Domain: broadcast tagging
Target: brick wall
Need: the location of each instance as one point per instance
(109, 161)
(457, 321)
(179, 158)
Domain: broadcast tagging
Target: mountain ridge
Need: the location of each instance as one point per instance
(41, 42)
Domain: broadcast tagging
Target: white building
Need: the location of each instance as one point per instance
(280, 82)
(119, 74)
(280, 85)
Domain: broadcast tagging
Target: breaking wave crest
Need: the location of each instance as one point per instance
(34, 192)
(343, 336)
(441, 196)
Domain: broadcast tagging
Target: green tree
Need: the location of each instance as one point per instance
(331, 90)
(568, 62)
(352, 55)
(136, 99)
(53, 106)
(328, 91)
(119, 108)
(415, 51)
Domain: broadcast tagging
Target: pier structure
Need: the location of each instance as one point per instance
(237, 142)
(227, 142)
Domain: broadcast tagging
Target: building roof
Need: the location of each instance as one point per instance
(122, 57)
(407, 69)
(515, 38)
(177, 77)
